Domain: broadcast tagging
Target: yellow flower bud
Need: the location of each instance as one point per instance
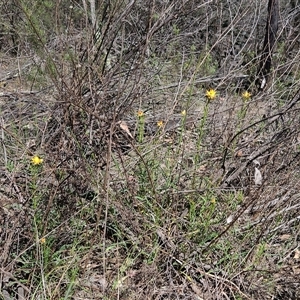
(246, 95)
(160, 124)
(211, 94)
(140, 113)
(36, 160)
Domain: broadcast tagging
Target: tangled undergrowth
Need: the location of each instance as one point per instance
(138, 163)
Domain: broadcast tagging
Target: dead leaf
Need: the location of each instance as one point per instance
(229, 219)
(239, 153)
(202, 168)
(284, 237)
(296, 270)
(297, 254)
(123, 126)
(197, 291)
(257, 177)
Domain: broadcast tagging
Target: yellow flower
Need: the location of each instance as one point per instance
(160, 124)
(211, 94)
(246, 95)
(183, 113)
(140, 113)
(36, 160)
(43, 241)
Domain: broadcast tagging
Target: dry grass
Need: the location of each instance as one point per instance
(122, 208)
